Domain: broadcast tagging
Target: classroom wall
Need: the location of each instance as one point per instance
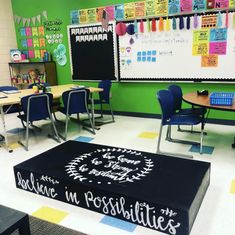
(7, 39)
(126, 97)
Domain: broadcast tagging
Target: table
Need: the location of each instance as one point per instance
(57, 92)
(204, 101)
(152, 190)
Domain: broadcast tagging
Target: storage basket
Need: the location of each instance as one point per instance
(222, 98)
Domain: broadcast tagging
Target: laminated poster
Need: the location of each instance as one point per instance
(150, 7)
(200, 49)
(28, 31)
(42, 42)
(221, 4)
(231, 3)
(200, 36)
(119, 12)
(162, 7)
(209, 61)
(91, 15)
(24, 43)
(29, 42)
(22, 32)
(99, 13)
(139, 9)
(173, 7)
(186, 5)
(35, 42)
(83, 16)
(129, 9)
(31, 54)
(110, 11)
(218, 48)
(42, 53)
(199, 5)
(208, 21)
(218, 34)
(74, 16)
(37, 54)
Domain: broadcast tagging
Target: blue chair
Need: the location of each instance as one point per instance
(37, 107)
(10, 108)
(177, 93)
(170, 118)
(75, 102)
(104, 99)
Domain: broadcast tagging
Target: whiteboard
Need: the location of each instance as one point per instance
(169, 56)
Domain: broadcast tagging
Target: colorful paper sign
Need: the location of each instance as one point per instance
(110, 11)
(83, 18)
(199, 5)
(24, 43)
(91, 15)
(129, 10)
(41, 31)
(186, 5)
(201, 36)
(29, 42)
(35, 31)
(218, 48)
(208, 21)
(209, 61)
(210, 4)
(221, 4)
(119, 12)
(139, 9)
(74, 16)
(35, 42)
(42, 53)
(42, 42)
(99, 13)
(200, 49)
(218, 34)
(28, 31)
(22, 32)
(37, 54)
(31, 54)
(161, 7)
(231, 3)
(173, 7)
(150, 7)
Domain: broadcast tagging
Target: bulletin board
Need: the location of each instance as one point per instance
(204, 54)
(93, 52)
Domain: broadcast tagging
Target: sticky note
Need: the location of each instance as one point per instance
(148, 135)
(232, 188)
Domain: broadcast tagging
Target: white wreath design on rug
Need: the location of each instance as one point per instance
(113, 169)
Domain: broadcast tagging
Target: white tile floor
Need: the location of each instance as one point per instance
(216, 215)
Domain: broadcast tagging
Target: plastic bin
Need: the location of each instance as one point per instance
(222, 98)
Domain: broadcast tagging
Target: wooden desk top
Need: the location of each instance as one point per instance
(204, 101)
(57, 92)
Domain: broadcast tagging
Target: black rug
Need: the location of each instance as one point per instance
(42, 227)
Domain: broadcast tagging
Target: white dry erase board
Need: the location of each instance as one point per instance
(168, 55)
(93, 52)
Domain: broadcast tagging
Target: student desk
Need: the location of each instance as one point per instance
(15, 98)
(204, 101)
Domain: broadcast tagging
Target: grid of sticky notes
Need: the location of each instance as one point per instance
(33, 41)
(147, 56)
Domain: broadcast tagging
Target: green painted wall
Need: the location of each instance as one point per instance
(128, 97)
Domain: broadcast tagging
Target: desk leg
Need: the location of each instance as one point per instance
(93, 112)
(233, 145)
(4, 130)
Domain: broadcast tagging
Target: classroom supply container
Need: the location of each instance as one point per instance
(222, 98)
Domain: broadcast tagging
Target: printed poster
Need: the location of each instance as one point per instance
(119, 12)
(74, 16)
(41, 31)
(42, 42)
(200, 49)
(91, 15)
(22, 32)
(99, 13)
(150, 7)
(24, 43)
(186, 5)
(209, 61)
(232, 3)
(139, 9)
(218, 48)
(35, 31)
(221, 3)
(29, 42)
(208, 21)
(161, 7)
(37, 54)
(35, 42)
(28, 31)
(201, 36)
(218, 34)
(83, 18)
(110, 11)
(199, 5)
(129, 9)
(173, 7)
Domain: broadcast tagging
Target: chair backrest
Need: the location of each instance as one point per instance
(45, 84)
(8, 88)
(106, 86)
(75, 101)
(178, 96)
(37, 106)
(166, 101)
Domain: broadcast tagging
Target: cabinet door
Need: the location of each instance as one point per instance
(51, 75)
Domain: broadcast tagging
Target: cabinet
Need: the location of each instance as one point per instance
(24, 73)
